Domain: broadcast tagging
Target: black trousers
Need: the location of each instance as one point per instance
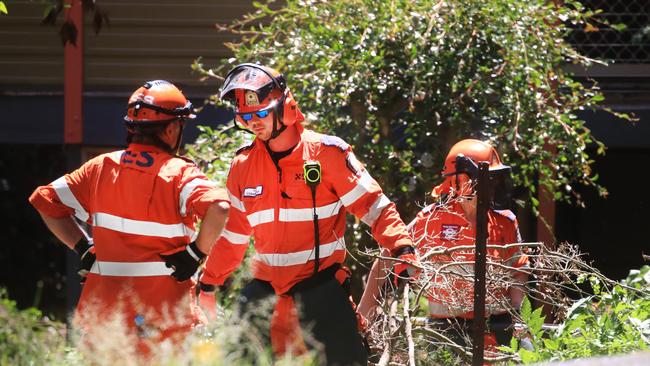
(324, 312)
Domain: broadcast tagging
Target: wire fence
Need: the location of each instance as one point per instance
(629, 45)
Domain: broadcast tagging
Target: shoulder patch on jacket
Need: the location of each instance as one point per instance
(334, 141)
(507, 214)
(244, 148)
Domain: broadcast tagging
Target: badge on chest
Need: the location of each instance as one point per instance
(253, 191)
(449, 232)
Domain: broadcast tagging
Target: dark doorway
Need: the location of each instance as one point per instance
(614, 231)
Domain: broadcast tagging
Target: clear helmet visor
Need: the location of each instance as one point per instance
(247, 78)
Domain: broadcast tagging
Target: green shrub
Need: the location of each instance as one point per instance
(610, 322)
(27, 337)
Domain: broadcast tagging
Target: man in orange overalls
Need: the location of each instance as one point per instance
(291, 189)
(142, 204)
(449, 223)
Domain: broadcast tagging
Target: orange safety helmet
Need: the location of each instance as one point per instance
(252, 88)
(461, 171)
(157, 102)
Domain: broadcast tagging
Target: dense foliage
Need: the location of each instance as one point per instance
(403, 80)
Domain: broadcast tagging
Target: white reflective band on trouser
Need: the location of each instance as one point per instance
(189, 188)
(131, 269)
(307, 214)
(302, 257)
(145, 228)
(375, 210)
(362, 187)
(67, 198)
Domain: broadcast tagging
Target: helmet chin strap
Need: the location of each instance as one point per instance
(276, 120)
(179, 138)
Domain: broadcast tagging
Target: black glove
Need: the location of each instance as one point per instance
(185, 261)
(86, 252)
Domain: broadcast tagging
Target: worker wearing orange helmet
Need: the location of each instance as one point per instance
(451, 222)
(142, 204)
(290, 189)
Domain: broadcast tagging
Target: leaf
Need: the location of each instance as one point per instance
(552, 344)
(3, 7)
(525, 309)
(528, 356)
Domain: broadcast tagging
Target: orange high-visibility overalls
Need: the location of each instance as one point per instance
(275, 205)
(451, 292)
(140, 202)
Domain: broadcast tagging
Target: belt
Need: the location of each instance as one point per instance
(130, 269)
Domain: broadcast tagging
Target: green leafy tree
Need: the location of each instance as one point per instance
(403, 80)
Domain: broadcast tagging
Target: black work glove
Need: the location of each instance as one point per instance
(86, 251)
(184, 261)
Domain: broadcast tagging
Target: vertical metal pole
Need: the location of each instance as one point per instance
(478, 325)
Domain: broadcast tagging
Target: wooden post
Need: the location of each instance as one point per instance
(73, 77)
(546, 228)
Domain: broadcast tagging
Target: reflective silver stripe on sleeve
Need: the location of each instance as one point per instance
(235, 238)
(67, 198)
(236, 202)
(260, 217)
(302, 257)
(375, 210)
(131, 269)
(307, 214)
(189, 188)
(192, 253)
(362, 187)
(145, 228)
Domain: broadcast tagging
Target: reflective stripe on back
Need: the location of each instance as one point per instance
(67, 198)
(131, 269)
(145, 228)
